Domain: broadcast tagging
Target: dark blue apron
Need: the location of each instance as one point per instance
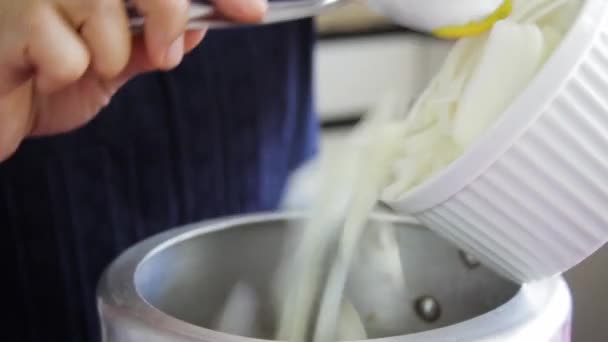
(217, 136)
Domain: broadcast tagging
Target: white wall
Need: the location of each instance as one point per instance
(353, 73)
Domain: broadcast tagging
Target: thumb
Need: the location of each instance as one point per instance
(247, 11)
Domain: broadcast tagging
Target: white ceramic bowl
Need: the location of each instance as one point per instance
(429, 15)
(530, 198)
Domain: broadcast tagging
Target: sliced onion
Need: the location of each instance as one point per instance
(512, 56)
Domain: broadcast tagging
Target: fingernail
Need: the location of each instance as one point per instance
(175, 53)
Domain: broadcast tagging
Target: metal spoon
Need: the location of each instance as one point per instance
(203, 14)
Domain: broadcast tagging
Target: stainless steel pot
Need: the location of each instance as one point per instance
(169, 287)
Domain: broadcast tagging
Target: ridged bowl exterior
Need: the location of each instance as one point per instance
(541, 206)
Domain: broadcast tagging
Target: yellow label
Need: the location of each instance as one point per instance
(476, 27)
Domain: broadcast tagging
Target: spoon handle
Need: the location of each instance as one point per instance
(203, 14)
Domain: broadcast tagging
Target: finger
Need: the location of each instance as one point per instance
(15, 119)
(140, 61)
(13, 75)
(55, 50)
(106, 34)
(247, 11)
(175, 53)
(68, 109)
(165, 22)
(14, 69)
(192, 39)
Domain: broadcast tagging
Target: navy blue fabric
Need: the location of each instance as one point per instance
(217, 136)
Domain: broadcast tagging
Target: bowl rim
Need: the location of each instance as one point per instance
(548, 300)
(515, 121)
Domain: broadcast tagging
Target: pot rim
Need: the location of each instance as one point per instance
(541, 303)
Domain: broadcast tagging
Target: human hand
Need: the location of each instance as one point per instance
(61, 61)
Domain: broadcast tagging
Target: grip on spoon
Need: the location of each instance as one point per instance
(203, 14)
(200, 12)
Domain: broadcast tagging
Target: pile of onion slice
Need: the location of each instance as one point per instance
(481, 76)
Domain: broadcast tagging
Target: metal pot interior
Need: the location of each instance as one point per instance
(189, 279)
